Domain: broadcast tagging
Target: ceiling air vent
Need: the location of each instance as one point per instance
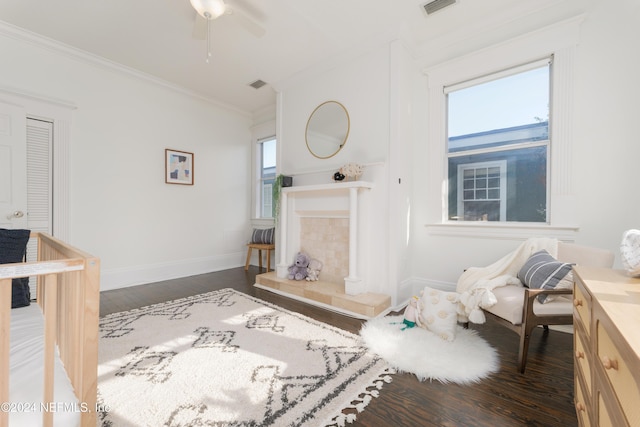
(257, 84)
(436, 5)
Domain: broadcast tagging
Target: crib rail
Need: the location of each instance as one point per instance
(68, 291)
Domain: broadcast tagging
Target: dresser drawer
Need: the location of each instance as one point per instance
(581, 358)
(582, 306)
(620, 376)
(604, 419)
(582, 404)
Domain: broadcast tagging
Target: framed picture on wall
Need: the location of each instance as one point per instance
(178, 167)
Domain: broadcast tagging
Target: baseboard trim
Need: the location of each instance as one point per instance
(416, 284)
(140, 275)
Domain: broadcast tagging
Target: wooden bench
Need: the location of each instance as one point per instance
(260, 247)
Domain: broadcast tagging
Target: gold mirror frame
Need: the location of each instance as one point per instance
(327, 129)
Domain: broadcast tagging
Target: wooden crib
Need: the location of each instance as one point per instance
(68, 292)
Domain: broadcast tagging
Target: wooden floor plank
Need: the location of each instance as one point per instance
(543, 396)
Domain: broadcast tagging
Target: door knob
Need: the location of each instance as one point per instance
(16, 214)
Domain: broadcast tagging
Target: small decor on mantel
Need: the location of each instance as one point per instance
(338, 177)
(352, 171)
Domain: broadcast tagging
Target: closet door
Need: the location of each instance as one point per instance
(13, 170)
(39, 144)
(39, 203)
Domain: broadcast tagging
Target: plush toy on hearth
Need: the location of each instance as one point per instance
(313, 270)
(298, 270)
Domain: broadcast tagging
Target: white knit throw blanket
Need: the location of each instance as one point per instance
(476, 283)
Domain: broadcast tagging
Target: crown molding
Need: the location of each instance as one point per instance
(26, 36)
(24, 94)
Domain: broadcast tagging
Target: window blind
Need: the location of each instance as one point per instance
(495, 76)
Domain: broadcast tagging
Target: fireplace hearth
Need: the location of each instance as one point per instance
(327, 295)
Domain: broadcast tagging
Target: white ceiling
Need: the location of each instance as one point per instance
(156, 36)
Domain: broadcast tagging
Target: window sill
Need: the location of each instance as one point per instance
(503, 230)
(262, 222)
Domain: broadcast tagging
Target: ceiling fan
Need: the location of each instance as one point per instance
(209, 10)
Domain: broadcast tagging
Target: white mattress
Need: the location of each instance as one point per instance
(26, 381)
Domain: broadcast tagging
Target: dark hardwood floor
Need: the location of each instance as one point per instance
(543, 396)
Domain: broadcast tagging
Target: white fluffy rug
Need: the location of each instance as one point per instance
(467, 359)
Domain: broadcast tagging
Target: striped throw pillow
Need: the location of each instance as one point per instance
(542, 271)
(263, 235)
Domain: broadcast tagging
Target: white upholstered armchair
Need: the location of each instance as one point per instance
(519, 307)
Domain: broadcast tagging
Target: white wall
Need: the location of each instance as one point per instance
(388, 110)
(361, 84)
(408, 128)
(121, 210)
(384, 93)
(606, 124)
(604, 153)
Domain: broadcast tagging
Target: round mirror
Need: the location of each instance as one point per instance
(327, 129)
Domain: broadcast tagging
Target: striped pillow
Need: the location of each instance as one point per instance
(13, 248)
(263, 235)
(542, 271)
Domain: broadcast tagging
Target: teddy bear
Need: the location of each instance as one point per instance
(313, 270)
(298, 270)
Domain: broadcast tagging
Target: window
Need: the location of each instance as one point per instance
(498, 145)
(551, 200)
(482, 193)
(267, 156)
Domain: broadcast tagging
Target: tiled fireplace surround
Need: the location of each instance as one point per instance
(325, 221)
(327, 239)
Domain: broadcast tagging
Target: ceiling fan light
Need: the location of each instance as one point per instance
(209, 9)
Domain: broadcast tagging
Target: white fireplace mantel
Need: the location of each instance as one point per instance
(338, 186)
(353, 283)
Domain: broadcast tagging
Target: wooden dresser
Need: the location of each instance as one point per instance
(606, 347)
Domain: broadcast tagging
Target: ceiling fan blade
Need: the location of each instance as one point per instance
(199, 28)
(246, 22)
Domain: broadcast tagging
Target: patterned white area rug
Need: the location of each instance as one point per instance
(225, 358)
(467, 359)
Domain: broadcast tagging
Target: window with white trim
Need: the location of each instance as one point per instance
(498, 145)
(560, 41)
(482, 195)
(267, 173)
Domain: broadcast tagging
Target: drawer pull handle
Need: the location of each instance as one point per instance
(579, 354)
(577, 302)
(609, 363)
